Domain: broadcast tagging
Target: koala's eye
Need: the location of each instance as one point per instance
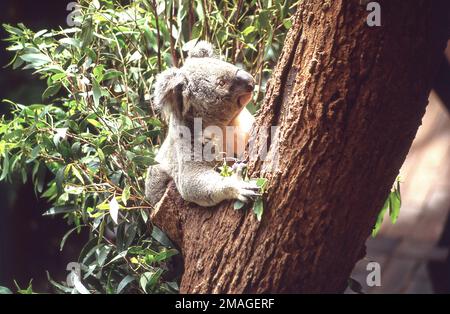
(221, 82)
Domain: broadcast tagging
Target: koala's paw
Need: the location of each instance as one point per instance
(247, 191)
(239, 169)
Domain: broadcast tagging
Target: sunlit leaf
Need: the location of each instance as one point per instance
(114, 210)
(4, 290)
(97, 92)
(36, 59)
(126, 194)
(60, 210)
(51, 91)
(125, 281)
(258, 208)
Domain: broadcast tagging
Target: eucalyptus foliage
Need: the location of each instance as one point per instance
(87, 143)
(392, 205)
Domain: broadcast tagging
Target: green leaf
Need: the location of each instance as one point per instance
(95, 123)
(97, 92)
(250, 29)
(143, 281)
(258, 208)
(126, 195)
(59, 179)
(74, 42)
(40, 178)
(101, 155)
(77, 174)
(90, 256)
(155, 278)
(125, 281)
(143, 161)
(65, 237)
(98, 72)
(4, 290)
(238, 205)
(136, 56)
(394, 206)
(149, 279)
(28, 290)
(76, 150)
(261, 183)
(165, 255)
(161, 237)
(96, 4)
(380, 218)
(57, 285)
(65, 149)
(40, 33)
(264, 19)
(60, 210)
(34, 153)
(225, 170)
(5, 167)
(126, 234)
(51, 91)
(102, 254)
(112, 74)
(114, 210)
(144, 215)
(36, 59)
(58, 76)
(118, 256)
(287, 23)
(13, 30)
(87, 33)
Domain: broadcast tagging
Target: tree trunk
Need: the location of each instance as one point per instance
(348, 100)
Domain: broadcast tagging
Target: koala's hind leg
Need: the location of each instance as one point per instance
(155, 184)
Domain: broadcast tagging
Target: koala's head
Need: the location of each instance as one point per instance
(205, 87)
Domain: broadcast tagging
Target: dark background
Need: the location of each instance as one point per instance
(29, 242)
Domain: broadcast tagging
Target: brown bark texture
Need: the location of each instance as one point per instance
(348, 100)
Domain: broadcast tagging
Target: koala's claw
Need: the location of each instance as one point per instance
(249, 191)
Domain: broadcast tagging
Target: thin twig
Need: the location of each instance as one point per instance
(158, 34)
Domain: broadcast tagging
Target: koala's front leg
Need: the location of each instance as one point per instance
(155, 184)
(206, 187)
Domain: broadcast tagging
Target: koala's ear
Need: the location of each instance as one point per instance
(201, 49)
(168, 97)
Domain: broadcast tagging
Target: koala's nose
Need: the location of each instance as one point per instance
(245, 80)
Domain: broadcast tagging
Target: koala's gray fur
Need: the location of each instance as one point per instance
(215, 91)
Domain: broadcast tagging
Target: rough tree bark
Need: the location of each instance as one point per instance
(348, 100)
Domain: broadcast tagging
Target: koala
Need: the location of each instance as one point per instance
(216, 92)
